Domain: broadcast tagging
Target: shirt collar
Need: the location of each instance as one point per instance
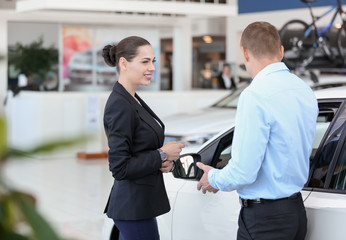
(274, 67)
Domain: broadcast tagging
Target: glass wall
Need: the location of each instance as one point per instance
(33, 53)
(74, 54)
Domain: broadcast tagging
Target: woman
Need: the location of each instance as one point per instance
(135, 135)
(225, 79)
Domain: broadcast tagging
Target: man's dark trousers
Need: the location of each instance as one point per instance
(283, 219)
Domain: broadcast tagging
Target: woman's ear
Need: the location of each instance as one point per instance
(122, 63)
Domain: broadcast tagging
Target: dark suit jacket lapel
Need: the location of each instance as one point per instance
(148, 116)
(144, 112)
(159, 129)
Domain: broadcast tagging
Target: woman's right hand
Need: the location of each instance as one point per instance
(172, 149)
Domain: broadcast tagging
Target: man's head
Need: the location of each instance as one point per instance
(261, 46)
(262, 40)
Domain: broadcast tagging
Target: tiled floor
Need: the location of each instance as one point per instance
(71, 193)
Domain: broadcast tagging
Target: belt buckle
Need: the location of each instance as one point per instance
(243, 202)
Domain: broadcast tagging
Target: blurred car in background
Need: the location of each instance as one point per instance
(197, 127)
(80, 69)
(319, 86)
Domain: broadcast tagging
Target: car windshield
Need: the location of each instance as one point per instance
(231, 100)
(327, 85)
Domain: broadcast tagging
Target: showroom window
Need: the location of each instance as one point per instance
(52, 57)
(83, 67)
(33, 56)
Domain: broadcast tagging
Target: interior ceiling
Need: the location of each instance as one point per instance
(162, 8)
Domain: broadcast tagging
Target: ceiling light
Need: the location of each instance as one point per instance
(207, 39)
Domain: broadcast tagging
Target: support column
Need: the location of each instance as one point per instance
(182, 56)
(232, 44)
(3, 61)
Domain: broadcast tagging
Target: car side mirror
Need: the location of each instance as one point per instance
(185, 166)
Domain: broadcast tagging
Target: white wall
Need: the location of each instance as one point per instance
(39, 117)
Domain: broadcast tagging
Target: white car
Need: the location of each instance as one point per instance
(197, 127)
(215, 216)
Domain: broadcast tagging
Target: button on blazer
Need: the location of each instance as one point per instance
(134, 134)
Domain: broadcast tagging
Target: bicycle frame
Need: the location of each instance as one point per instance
(315, 19)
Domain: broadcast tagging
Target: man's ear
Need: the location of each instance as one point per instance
(245, 54)
(281, 52)
(122, 63)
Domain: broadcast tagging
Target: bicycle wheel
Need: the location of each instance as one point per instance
(299, 45)
(341, 42)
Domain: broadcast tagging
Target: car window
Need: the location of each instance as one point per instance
(225, 156)
(327, 141)
(323, 161)
(323, 121)
(339, 176)
(223, 152)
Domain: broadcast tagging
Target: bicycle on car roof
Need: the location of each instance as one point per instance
(304, 42)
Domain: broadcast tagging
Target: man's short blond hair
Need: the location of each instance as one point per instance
(261, 39)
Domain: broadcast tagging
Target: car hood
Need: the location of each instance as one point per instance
(205, 121)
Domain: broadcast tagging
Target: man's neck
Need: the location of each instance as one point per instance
(261, 64)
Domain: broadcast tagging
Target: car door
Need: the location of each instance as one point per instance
(215, 216)
(326, 205)
(209, 216)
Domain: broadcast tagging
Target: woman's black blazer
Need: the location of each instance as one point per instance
(134, 135)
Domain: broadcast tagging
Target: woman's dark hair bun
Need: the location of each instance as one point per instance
(108, 54)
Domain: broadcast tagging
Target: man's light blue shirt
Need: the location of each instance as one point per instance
(275, 127)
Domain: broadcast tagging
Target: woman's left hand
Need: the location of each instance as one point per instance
(166, 166)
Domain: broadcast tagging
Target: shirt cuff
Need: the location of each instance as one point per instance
(211, 177)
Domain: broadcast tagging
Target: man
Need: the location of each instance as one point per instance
(275, 127)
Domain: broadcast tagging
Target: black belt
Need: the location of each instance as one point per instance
(246, 202)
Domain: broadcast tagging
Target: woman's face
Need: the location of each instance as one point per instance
(227, 71)
(140, 70)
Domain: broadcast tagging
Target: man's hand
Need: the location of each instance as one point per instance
(204, 183)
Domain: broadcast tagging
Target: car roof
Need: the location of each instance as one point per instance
(336, 92)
